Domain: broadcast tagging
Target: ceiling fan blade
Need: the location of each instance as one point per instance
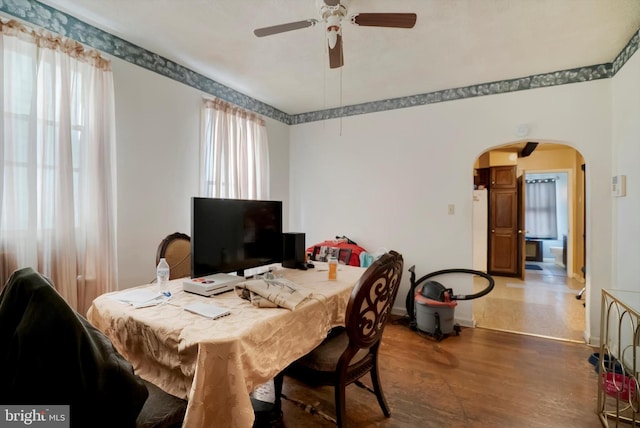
(396, 20)
(336, 60)
(275, 29)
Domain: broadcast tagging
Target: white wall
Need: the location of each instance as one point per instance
(626, 146)
(158, 131)
(387, 179)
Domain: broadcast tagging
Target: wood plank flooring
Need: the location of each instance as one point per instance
(481, 378)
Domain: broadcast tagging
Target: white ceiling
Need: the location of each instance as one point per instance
(454, 43)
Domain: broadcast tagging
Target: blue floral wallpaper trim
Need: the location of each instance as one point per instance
(66, 25)
(626, 53)
(582, 74)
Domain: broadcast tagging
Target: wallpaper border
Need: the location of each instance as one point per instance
(58, 22)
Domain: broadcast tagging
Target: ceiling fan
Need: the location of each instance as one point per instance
(332, 14)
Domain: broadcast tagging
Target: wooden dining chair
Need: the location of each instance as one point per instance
(351, 352)
(176, 249)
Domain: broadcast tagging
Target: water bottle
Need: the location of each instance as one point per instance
(162, 272)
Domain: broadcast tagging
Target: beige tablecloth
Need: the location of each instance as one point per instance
(216, 363)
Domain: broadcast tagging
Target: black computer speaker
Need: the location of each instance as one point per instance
(293, 250)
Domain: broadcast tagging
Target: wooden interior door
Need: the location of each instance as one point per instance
(521, 227)
(504, 254)
(582, 217)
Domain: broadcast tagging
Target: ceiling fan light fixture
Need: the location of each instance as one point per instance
(332, 35)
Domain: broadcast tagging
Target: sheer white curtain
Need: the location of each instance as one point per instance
(234, 153)
(540, 208)
(57, 164)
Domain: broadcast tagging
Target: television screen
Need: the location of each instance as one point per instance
(231, 235)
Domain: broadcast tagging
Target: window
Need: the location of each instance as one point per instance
(234, 153)
(540, 208)
(57, 163)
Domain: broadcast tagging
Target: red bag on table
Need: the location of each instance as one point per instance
(348, 253)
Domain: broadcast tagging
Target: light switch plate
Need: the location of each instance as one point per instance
(619, 185)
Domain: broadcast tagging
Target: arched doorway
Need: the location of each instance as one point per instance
(545, 301)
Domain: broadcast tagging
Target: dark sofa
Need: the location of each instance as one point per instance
(51, 355)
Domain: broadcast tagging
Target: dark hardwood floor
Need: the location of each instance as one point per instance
(481, 378)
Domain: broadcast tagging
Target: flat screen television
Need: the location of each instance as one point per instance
(231, 235)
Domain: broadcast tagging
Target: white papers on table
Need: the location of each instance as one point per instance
(140, 297)
(207, 310)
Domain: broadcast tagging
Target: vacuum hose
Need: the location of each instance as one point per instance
(410, 303)
(484, 292)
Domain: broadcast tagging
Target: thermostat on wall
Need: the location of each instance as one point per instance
(619, 185)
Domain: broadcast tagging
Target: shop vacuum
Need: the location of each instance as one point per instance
(431, 305)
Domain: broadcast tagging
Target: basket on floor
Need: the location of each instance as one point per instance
(619, 385)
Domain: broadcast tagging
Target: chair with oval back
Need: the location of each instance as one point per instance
(176, 249)
(350, 353)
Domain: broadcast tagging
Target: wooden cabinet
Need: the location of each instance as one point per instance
(503, 177)
(482, 177)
